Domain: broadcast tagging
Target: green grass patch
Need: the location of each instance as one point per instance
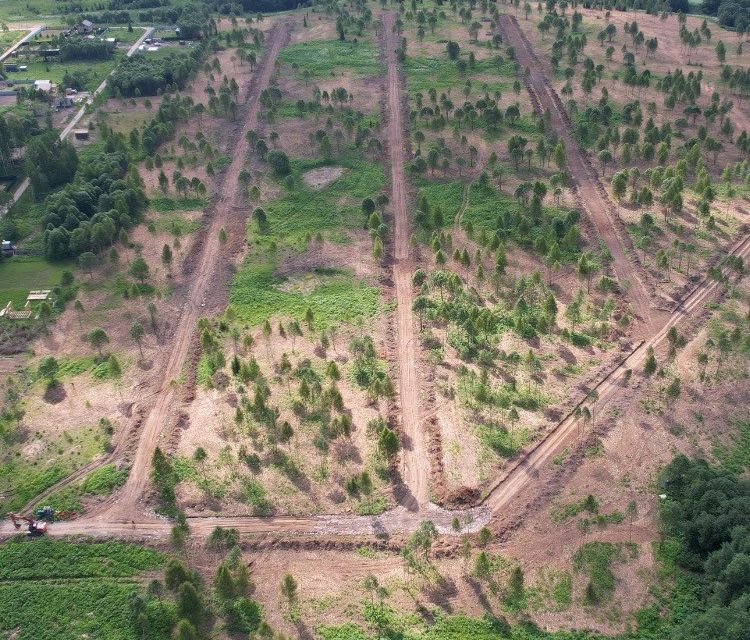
(334, 295)
(70, 367)
(46, 461)
(595, 559)
(424, 73)
(323, 57)
(70, 611)
(502, 441)
(127, 120)
(20, 274)
(256, 295)
(7, 38)
(62, 590)
(487, 204)
(100, 482)
(302, 211)
(551, 591)
(562, 512)
(123, 35)
(446, 195)
(372, 506)
(176, 224)
(47, 558)
(735, 455)
(94, 71)
(490, 210)
(504, 394)
(167, 204)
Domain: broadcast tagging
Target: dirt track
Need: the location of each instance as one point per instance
(414, 455)
(591, 196)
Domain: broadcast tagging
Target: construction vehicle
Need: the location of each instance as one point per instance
(34, 527)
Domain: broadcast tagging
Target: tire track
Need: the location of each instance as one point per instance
(124, 520)
(204, 282)
(528, 469)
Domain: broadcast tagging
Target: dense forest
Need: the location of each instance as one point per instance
(272, 5)
(150, 12)
(16, 127)
(706, 523)
(82, 49)
(731, 13)
(105, 196)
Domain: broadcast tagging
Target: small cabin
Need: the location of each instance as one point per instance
(81, 134)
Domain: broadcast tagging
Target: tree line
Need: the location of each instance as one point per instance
(143, 75)
(705, 520)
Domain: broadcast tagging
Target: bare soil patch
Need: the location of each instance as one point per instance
(322, 176)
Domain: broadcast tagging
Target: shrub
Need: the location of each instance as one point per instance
(279, 162)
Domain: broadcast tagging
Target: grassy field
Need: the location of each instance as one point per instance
(322, 58)
(68, 591)
(334, 296)
(100, 482)
(54, 71)
(122, 34)
(442, 74)
(24, 476)
(7, 38)
(446, 195)
(19, 275)
(126, 121)
(293, 219)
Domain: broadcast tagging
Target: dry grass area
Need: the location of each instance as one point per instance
(543, 376)
(617, 463)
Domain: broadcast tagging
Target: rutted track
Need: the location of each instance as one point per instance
(590, 194)
(206, 271)
(204, 281)
(414, 454)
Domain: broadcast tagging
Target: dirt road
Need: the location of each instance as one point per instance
(203, 281)
(592, 197)
(414, 458)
